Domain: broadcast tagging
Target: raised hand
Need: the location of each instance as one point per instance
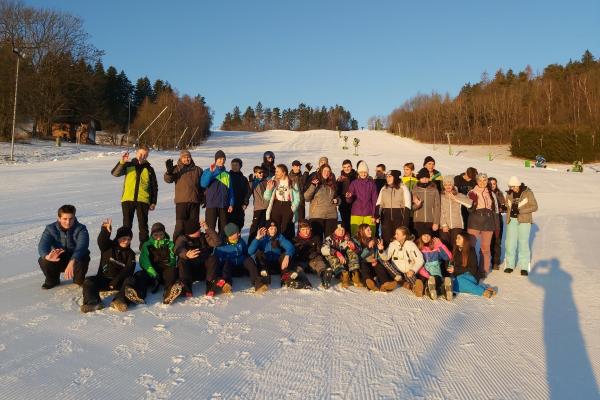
(270, 184)
(54, 255)
(261, 233)
(348, 195)
(107, 223)
(125, 156)
(315, 181)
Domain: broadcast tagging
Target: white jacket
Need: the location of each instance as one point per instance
(405, 256)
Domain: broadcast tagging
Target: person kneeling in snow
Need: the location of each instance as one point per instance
(233, 255)
(435, 253)
(308, 253)
(341, 254)
(465, 269)
(157, 260)
(273, 254)
(117, 263)
(406, 258)
(195, 259)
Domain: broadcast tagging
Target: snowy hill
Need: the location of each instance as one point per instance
(537, 339)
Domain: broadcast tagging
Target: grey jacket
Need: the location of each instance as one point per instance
(394, 198)
(527, 206)
(321, 200)
(450, 215)
(257, 192)
(429, 210)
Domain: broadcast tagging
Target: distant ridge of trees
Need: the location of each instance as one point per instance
(301, 118)
(560, 97)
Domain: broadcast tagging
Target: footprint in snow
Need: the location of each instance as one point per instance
(83, 376)
(177, 359)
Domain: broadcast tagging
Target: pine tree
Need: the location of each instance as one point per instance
(259, 114)
(236, 119)
(249, 120)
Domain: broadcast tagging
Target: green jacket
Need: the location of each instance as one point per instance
(140, 181)
(157, 252)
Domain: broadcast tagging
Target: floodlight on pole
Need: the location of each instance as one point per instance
(20, 55)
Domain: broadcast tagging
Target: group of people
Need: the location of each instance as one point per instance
(418, 231)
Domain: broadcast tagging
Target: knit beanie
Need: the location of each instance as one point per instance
(428, 159)
(231, 229)
(395, 173)
(190, 227)
(185, 153)
(219, 154)
(124, 231)
(362, 167)
(323, 160)
(514, 181)
(448, 179)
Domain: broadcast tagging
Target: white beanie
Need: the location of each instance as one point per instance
(514, 181)
(362, 167)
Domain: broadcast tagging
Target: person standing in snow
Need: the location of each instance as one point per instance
(346, 177)
(299, 178)
(362, 194)
(496, 246)
(268, 164)
(520, 205)
(464, 183)
(409, 178)
(258, 185)
(393, 206)
(140, 189)
(434, 175)
(283, 197)
(64, 247)
(426, 204)
(241, 193)
(188, 193)
(452, 203)
(219, 194)
(323, 198)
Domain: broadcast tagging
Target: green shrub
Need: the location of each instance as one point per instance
(556, 144)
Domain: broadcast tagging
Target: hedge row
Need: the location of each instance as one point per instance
(556, 144)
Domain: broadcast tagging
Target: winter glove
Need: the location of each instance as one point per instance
(155, 285)
(169, 165)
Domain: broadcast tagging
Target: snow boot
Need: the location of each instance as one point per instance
(261, 289)
(356, 279)
(86, 308)
(496, 267)
(370, 284)
(345, 279)
(508, 270)
(326, 277)
(224, 286)
(119, 305)
(173, 293)
(50, 284)
(418, 288)
(431, 288)
(448, 288)
(132, 295)
(388, 286)
(524, 272)
(489, 293)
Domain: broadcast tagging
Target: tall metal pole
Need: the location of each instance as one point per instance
(153, 121)
(12, 141)
(128, 119)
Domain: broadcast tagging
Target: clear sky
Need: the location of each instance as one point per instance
(369, 56)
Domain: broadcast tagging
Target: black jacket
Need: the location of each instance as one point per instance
(206, 242)
(307, 249)
(111, 255)
(241, 188)
(470, 267)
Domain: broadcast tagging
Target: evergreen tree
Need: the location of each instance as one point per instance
(249, 120)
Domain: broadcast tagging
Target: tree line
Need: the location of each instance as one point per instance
(301, 118)
(62, 75)
(562, 96)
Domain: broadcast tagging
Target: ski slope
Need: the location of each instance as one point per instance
(537, 339)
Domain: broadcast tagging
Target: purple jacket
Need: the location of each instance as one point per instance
(364, 197)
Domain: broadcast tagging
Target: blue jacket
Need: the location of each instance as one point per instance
(75, 241)
(219, 190)
(234, 253)
(271, 253)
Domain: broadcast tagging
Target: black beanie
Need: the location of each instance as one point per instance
(219, 154)
(428, 159)
(190, 227)
(124, 231)
(423, 173)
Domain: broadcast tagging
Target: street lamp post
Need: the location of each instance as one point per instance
(12, 141)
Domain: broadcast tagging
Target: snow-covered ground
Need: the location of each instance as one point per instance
(537, 339)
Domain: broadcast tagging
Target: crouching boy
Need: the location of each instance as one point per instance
(341, 253)
(308, 254)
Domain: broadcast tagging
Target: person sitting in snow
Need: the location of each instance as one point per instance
(117, 263)
(64, 247)
(435, 254)
(273, 254)
(341, 254)
(308, 253)
(158, 263)
(376, 277)
(233, 256)
(195, 259)
(465, 270)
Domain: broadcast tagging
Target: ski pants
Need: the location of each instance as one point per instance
(185, 212)
(517, 252)
(369, 271)
(237, 216)
(352, 263)
(140, 209)
(229, 268)
(391, 219)
(345, 214)
(316, 264)
(283, 216)
(323, 227)
(52, 270)
(197, 269)
(214, 214)
(142, 281)
(93, 285)
(357, 220)
(467, 283)
(258, 220)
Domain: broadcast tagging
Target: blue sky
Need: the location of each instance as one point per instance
(369, 56)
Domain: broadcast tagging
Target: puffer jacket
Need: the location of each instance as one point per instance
(321, 198)
(391, 197)
(433, 258)
(405, 256)
(526, 205)
(140, 181)
(235, 253)
(241, 188)
(111, 256)
(363, 197)
(429, 210)
(219, 190)
(157, 252)
(187, 182)
(271, 250)
(75, 241)
(451, 210)
(307, 248)
(206, 242)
